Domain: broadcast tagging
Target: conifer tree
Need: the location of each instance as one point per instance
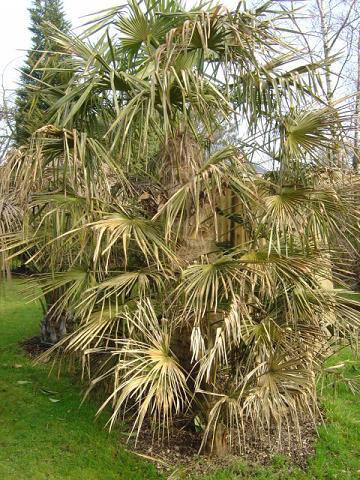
(30, 105)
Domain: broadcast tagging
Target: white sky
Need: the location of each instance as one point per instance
(15, 37)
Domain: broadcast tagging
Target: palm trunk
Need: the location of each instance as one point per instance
(198, 239)
(53, 328)
(216, 444)
(54, 324)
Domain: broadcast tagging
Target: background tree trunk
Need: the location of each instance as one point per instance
(356, 153)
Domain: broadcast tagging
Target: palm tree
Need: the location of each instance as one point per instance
(125, 187)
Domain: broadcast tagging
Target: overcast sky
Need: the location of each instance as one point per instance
(15, 36)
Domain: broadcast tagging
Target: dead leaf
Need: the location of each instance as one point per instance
(144, 196)
(45, 391)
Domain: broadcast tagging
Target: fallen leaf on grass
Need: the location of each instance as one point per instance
(45, 391)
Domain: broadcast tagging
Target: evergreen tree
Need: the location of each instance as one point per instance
(30, 104)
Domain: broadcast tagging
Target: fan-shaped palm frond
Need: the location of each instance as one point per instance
(311, 131)
(121, 228)
(116, 201)
(147, 371)
(11, 217)
(69, 286)
(226, 168)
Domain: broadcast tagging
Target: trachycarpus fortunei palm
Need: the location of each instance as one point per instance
(122, 193)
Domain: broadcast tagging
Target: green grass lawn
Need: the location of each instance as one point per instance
(44, 434)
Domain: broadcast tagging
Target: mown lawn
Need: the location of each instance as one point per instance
(44, 434)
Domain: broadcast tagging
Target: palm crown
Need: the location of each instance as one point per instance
(130, 205)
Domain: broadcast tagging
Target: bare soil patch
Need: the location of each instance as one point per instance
(181, 446)
(34, 346)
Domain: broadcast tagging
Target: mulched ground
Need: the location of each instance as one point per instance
(33, 346)
(182, 446)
